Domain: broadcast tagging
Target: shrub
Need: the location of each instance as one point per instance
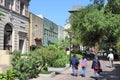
(62, 59)
(47, 55)
(26, 66)
(52, 48)
(2, 77)
(8, 75)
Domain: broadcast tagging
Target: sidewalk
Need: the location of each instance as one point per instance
(107, 74)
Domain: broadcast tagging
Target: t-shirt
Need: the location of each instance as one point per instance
(110, 56)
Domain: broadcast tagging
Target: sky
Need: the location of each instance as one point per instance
(55, 10)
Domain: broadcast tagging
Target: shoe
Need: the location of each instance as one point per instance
(82, 75)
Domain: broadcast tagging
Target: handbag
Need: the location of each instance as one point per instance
(83, 65)
(96, 67)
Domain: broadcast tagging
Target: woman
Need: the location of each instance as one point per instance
(83, 66)
(96, 66)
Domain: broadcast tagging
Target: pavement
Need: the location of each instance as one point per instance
(107, 74)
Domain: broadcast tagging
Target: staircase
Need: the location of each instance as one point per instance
(5, 60)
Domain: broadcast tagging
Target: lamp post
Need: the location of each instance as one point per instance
(70, 34)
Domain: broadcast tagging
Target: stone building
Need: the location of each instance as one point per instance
(14, 25)
(36, 31)
(43, 31)
(60, 32)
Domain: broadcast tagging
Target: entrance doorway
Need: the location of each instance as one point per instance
(21, 45)
(8, 37)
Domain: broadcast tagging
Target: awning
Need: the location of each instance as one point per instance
(37, 38)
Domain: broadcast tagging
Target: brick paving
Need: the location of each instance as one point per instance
(107, 74)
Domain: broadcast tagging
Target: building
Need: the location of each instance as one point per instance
(67, 26)
(60, 32)
(43, 32)
(14, 25)
(36, 31)
(50, 32)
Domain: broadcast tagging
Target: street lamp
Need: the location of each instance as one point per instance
(70, 34)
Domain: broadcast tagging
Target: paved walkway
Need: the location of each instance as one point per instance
(107, 74)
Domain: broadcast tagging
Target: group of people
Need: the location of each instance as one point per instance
(96, 66)
(83, 64)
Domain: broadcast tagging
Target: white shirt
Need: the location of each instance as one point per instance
(110, 56)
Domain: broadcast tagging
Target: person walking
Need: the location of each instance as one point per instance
(96, 66)
(83, 66)
(111, 58)
(74, 63)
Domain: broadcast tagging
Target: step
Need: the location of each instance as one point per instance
(5, 57)
(3, 68)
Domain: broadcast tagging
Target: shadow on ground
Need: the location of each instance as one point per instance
(110, 75)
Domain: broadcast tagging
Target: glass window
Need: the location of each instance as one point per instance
(7, 4)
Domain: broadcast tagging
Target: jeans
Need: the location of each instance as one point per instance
(84, 71)
(75, 71)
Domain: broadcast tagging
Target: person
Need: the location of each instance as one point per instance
(83, 66)
(111, 58)
(96, 66)
(74, 63)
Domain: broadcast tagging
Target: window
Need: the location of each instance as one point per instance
(7, 4)
(1, 2)
(17, 5)
(26, 10)
(21, 7)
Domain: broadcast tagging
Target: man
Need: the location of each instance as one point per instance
(111, 58)
(74, 63)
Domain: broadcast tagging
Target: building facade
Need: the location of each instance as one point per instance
(67, 26)
(36, 31)
(43, 32)
(50, 32)
(14, 25)
(60, 32)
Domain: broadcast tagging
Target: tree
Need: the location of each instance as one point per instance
(98, 3)
(63, 43)
(113, 6)
(95, 26)
(88, 24)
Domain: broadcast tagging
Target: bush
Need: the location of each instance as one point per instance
(8, 75)
(26, 66)
(47, 55)
(2, 77)
(61, 61)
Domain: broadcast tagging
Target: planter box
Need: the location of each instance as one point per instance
(58, 70)
(52, 74)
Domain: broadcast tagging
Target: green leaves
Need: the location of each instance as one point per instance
(91, 25)
(1, 13)
(26, 66)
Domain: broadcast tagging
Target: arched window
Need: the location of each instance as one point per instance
(7, 37)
